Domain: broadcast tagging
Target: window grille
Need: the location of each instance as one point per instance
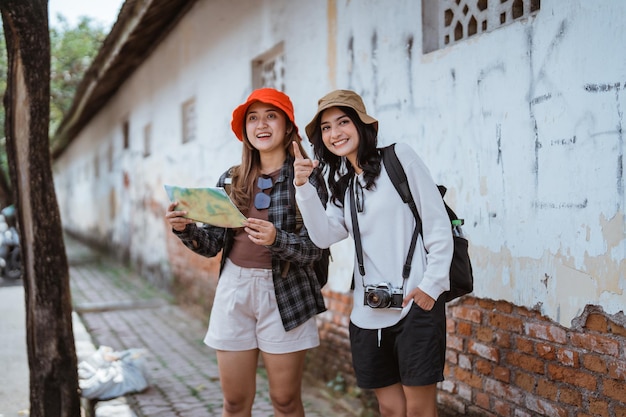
(268, 69)
(446, 22)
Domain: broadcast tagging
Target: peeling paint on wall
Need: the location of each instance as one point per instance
(550, 174)
(524, 125)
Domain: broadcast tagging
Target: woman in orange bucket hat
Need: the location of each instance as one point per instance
(267, 294)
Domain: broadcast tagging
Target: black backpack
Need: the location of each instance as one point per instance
(461, 276)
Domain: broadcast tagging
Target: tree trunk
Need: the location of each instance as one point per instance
(50, 339)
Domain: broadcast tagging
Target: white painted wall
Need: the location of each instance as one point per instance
(523, 124)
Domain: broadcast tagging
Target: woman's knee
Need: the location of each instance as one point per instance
(286, 402)
(391, 410)
(235, 407)
(237, 402)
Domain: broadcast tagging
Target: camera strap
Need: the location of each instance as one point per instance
(357, 238)
(355, 228)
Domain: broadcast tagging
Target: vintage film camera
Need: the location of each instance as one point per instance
(383, 295)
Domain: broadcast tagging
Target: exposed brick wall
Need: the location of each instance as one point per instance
(333, 357)
(505, 360)
(195, 277)
(502, 360)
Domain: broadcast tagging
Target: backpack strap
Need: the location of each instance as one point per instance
(228, 181)
(398, 178)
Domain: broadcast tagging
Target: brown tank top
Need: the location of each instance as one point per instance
(244, 252)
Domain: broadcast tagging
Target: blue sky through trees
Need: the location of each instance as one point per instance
(101, 11)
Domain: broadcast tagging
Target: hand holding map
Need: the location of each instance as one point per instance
(207, 205)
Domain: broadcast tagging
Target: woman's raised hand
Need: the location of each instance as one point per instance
(302, 167)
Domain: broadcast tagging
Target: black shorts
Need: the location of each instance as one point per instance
(411, 352)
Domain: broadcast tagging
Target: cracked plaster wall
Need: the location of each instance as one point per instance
(524, 125)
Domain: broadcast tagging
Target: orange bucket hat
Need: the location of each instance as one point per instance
(264, 95)
(343, 98)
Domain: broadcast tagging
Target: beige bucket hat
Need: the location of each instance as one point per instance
(344, 98)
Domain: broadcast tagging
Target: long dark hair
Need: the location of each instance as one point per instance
(338, 168)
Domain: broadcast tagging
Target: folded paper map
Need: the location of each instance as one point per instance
(207, 205)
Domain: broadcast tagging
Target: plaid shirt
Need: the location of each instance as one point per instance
(298, 292)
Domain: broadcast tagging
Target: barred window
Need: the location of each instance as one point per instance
(446, 22)
(268, 69)
(147, 140)
(125, 134)
(189, 120)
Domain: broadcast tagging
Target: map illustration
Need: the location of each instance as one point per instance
(207, 205)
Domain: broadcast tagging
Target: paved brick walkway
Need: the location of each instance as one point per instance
(120, 310)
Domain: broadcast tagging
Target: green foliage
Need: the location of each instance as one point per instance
(72, 50)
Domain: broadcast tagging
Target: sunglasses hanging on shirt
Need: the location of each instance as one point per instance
(262, 200)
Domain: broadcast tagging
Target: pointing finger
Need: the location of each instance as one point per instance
(296, 150)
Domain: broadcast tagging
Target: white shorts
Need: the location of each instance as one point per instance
(245, 315)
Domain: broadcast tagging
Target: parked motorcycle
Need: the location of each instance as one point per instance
(10, 258)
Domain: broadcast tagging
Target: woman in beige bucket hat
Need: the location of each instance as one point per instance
(398, 347)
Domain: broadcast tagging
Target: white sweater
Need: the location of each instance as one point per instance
(386, 226)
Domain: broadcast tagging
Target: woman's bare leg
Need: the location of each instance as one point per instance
(285, 373)
(402, 401)
(421, 401)
(391, 401)
(238, 379)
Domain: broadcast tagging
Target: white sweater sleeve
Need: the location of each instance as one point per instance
(325, 227)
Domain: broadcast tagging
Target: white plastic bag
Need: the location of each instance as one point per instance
(108, 374)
